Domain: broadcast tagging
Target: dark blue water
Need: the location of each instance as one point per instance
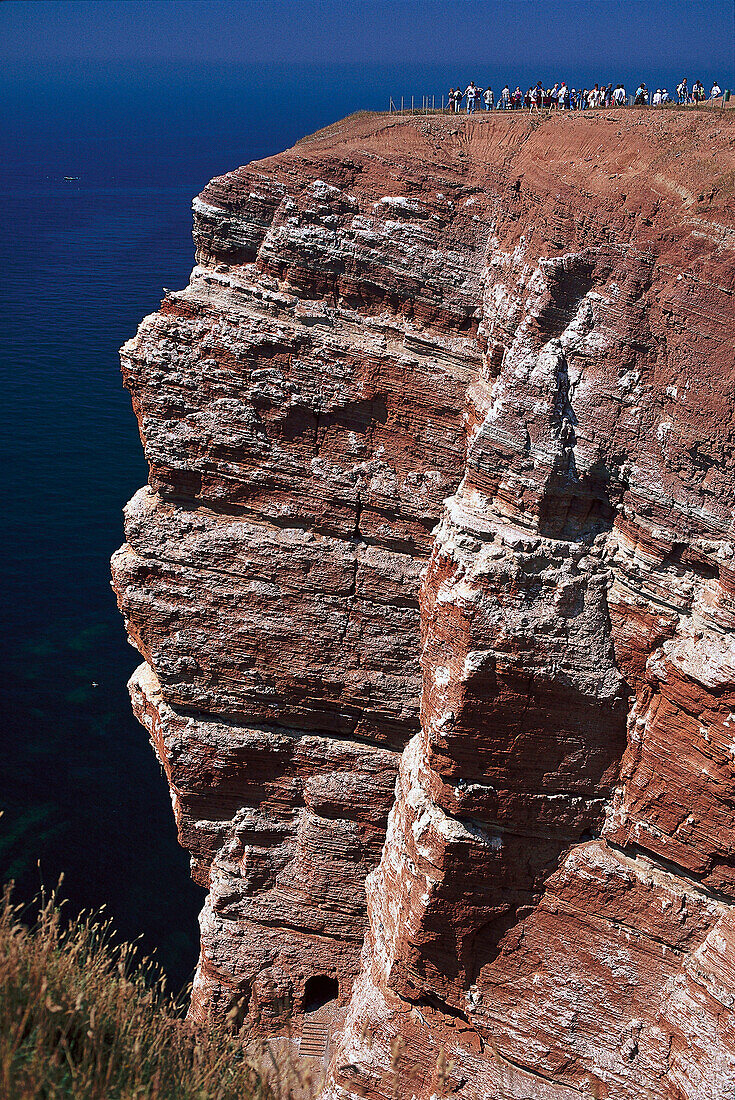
(83, 262)
(80, 789)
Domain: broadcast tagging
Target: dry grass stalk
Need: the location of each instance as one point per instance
(83, 1017)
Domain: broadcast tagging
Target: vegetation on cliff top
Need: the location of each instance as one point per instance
(84, 1017)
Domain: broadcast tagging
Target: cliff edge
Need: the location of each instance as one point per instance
(433, 581)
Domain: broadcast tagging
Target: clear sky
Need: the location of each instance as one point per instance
(662, 34)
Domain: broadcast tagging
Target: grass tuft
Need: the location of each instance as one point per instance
(83, 1017)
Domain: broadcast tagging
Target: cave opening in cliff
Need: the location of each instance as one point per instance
(319, 991)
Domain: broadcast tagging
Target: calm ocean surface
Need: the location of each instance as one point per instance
(84, 260)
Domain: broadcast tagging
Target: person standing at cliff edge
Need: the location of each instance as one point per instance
(471, 93)
(716, 91)
(489, 99)
(619, 96)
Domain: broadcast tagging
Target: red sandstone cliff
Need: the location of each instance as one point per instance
(434, 581)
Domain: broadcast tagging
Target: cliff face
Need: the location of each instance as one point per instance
(441, 488)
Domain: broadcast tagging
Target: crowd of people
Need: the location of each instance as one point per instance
(563, 98)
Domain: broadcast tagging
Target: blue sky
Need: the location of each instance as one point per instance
(674, 34)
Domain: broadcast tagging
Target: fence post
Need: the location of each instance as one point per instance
(401, 104)
(433, 106)
(442, 103)
(411, 104)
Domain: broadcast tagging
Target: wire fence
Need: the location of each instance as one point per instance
(429, 103)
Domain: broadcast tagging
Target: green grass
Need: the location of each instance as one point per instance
(83, 1017)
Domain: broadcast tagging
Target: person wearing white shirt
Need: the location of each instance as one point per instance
(716, 90)
(657, 98)
(471, 93)
(619, 96)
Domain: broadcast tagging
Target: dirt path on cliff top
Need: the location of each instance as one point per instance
(685, 156)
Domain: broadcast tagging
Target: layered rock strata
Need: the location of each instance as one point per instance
(440, 439)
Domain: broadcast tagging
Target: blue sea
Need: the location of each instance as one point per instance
(97, 174)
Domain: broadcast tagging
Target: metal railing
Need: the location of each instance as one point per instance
(430, 104)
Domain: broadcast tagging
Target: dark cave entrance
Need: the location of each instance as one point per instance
(319, 991)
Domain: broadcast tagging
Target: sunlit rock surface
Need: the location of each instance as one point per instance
(434, 580)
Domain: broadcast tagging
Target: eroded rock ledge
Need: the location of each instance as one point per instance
(433, 581)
